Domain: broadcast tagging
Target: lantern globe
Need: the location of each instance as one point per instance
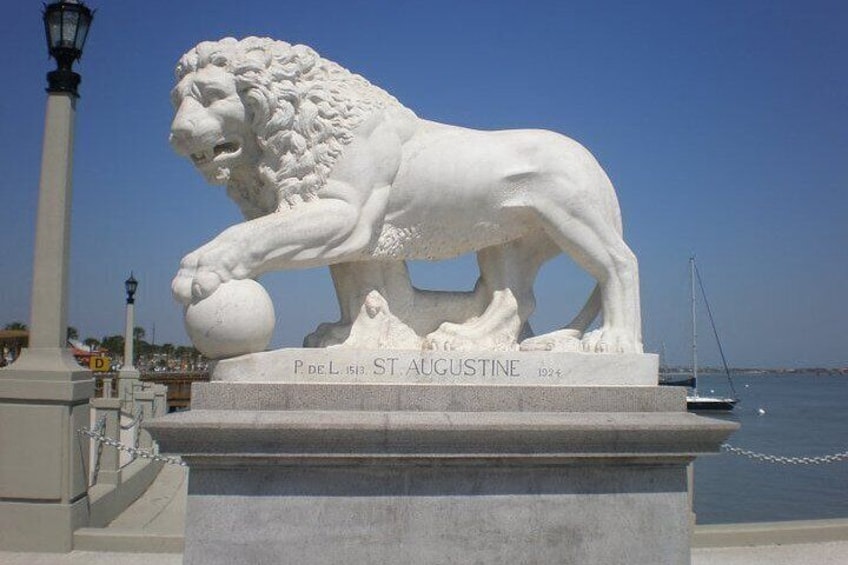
(66, 25)
(131, 285)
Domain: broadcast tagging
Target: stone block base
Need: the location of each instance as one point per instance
(40, 526)
(486, 512)
(365, 473)
(43, 481)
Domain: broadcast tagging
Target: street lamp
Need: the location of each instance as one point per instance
(66, 24)
(131, 285)
(129, 375)
(45, 389)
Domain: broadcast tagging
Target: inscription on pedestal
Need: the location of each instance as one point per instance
(422, 367)
(348, 365)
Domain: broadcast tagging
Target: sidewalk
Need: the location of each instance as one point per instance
(150, 532)
(832, 553)
(153, 523)
(829, 553)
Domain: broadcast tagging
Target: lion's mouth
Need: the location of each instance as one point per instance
(220, 152)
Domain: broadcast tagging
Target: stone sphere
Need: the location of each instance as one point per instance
(236, 319)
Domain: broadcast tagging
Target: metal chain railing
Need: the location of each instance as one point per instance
(134, 451)
(97, 435)
(784, 460)
(99, 430)
(135, 420)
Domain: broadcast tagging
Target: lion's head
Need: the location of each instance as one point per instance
(266, 118)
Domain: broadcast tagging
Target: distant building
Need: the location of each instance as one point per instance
(11, 343)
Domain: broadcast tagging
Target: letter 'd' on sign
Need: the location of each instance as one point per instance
(99, 364)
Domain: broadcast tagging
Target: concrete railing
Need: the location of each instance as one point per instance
(117, 476)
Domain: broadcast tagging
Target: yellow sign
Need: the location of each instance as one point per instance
(99, 364)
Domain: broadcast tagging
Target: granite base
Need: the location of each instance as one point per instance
(358, 472)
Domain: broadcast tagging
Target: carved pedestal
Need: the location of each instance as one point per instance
(353, 471)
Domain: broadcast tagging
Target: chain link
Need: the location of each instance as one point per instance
(783, 460)
(136, 420)
(99, 429)
(97, 435)
(134, 451)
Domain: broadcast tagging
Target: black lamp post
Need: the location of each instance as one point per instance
(66, 24)
(131, 285)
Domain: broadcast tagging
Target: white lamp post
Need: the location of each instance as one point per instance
(131, 285)
(66, 25)
(128, 375)
(44, 395)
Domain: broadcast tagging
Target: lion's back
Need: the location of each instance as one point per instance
(460, 190)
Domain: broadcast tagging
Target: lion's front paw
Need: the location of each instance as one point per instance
(189, 288)
(202, 271)
(194, 282)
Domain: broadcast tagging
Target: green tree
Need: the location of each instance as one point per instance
(144, 348)
(138, 333)
(20, 326)
(72, 333)
(114, 344)
(91, 343)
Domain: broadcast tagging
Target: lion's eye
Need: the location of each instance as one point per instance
(211, 95)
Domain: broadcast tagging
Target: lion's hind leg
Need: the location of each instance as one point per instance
(507, 273)
(569, 338)
(595, 243)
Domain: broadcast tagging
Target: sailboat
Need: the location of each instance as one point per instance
(695, 401)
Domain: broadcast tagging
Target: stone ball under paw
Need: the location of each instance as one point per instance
(238, 318)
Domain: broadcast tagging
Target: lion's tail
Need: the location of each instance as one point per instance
(588, 313)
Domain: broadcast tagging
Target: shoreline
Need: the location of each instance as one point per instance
(748, 534)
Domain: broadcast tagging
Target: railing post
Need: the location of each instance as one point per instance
(160, 403)
(144, 399)
(107, 387)
(110, 460)
(128, 385)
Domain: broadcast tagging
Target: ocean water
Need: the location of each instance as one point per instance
(805, 415)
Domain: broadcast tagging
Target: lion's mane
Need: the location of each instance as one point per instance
(303, 109)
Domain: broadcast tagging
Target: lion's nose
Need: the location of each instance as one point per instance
(180, 137)
(189, 135)
(186, 127)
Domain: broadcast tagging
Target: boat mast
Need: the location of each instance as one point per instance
(694, 325)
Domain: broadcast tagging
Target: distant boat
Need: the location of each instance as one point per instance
(695, 401)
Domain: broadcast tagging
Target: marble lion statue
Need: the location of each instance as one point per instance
(330, 170)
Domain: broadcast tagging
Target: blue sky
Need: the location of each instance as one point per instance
(723, 125)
